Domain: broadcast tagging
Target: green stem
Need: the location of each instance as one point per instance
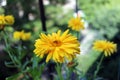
(20, 49)
(98, 67)
(7, 49)
(11, 57)
(59, 71)
(70, 70)
(77, 34)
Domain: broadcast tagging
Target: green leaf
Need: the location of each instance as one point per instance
(14, 77)
(9, 64)
(35, 61)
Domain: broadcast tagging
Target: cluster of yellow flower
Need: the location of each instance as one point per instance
(17, 35)
(60, 47)
(6, 20)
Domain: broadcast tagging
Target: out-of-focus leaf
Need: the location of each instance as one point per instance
(14, 77)
(85, 61)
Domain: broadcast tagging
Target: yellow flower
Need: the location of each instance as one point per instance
(57, 46)
(26, 36)
(2, 21)
(17, 35)
(105, 46)
(76, 24)
(9, 20)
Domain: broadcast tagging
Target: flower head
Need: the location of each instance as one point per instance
(9, 20)
(105, 46)
(76, 24)
(17, 35)
(57, 46)
(26, 36)
(2, 21)
(6, 20)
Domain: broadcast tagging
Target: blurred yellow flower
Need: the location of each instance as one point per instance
(105, 46)
(57, 46)
(26, 36)
(9, 20)
(17, 35)
(76, 24)
(6, 20)
(2, 21)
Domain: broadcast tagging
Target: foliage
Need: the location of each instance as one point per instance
(102, 15)
(21, 11)
(57, 17)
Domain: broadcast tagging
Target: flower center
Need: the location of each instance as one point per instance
(56, 43)
(76, 23)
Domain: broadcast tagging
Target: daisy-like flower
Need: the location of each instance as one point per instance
(76, 24)
(57, 46)
(105, 46)
(9, 20)
(17, 35)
